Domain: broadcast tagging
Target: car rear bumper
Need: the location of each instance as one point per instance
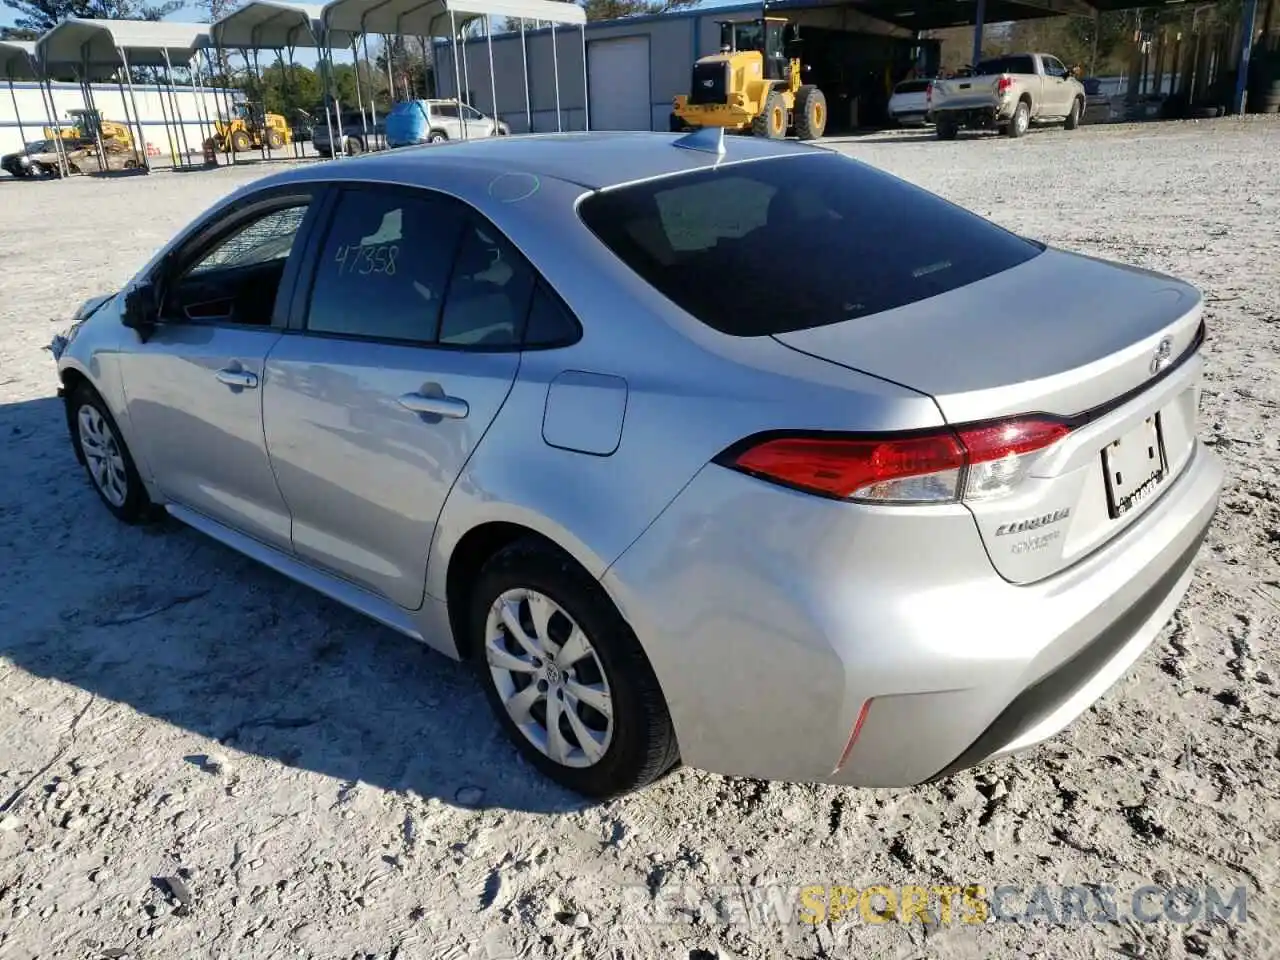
(772, 618)
(984, 117)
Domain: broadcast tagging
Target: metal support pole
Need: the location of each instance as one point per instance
(299, 150)
(137, 116)
(51, 111)
(391, 77)
(466, 76)
(493, 83)
(1093, 54)
(22, 134)
(524, 60)
(261, 84)
(373, 94)
(171, 136)
(364, 124)
(978, 25)
(457, 70)
(555, 67)
(330, 99)
(202, 108)
(586, 93)
(223, 94)
(427, 87)
(86, 95)
(175, 109)
(1246, 46)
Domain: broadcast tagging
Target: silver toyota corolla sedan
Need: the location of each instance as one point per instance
(744, 453)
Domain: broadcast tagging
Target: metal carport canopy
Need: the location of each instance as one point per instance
(17, 60)
(432, 18)
(146, 43)
(273, 25)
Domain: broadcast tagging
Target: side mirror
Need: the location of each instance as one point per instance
(141, 309)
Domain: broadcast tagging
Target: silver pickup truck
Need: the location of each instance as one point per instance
(1007, 93)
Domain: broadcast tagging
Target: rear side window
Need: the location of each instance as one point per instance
(488, 296)
(1015, 64)
(385, 266)
(772, 246)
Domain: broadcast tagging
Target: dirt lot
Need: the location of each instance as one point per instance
(324, 788)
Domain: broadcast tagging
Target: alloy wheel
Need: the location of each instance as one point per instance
(103, 456)
(549, 678)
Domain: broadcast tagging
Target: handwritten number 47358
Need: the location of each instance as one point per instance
(367, 260)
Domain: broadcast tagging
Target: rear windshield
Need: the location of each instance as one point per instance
(912, 86)
(989, 68)
(771, 246)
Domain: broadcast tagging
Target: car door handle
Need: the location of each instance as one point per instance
(238, 378)
(441, 406)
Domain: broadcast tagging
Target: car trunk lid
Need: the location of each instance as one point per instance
(1094, 343)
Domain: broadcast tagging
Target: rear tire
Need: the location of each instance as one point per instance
(1073, 118)
(355, 146)
(632, 742)
(275, 139)
(1020, 121)
(811, 112)
(771, 122)
(946, 129)
(106, 458)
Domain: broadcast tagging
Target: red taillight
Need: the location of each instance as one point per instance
(939, 466)
(1003, 84)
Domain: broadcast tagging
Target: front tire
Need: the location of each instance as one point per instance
(106, 458)
(1073, 118)
(355, 146)
(241, 142)
(811, 112)
(436, 136)
(771, 122)
(565, 675)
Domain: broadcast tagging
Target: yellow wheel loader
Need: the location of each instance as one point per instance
(249, 129)
(753, 85)
(87, 125)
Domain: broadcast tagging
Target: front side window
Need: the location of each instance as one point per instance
(267, 238)
(810, 240)
(1054, 68)
(236, 279)
(384, 266)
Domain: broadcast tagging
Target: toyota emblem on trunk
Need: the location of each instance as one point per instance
(1163, 355)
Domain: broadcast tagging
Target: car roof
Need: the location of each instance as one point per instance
(593, 160)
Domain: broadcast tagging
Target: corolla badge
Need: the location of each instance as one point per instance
(1163, 355)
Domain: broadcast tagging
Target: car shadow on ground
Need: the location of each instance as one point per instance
(175, 626)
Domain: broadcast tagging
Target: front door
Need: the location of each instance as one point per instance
(478, 125)
(194, 389)
(1057, 92)
(410, 348)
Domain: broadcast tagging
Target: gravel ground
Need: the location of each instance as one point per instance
(200, 759)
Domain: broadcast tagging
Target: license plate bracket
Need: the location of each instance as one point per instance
(1134, 466)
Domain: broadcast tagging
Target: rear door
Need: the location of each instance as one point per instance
(402, 354)
(444, 116)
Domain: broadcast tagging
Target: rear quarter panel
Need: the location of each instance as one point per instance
(690, 393)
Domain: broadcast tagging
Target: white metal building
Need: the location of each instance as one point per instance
(192, 106)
